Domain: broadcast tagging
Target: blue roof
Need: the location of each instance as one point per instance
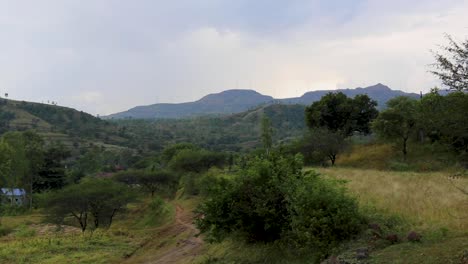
(13, 191)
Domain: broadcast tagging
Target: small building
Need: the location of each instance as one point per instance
(13, 196)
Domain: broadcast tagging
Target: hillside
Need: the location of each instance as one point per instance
(236, 101)
(76, 129)
(58, 124)
(234, 132)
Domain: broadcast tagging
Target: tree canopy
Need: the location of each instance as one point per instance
(339, 113)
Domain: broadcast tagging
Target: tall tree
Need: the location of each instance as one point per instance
(398, 121)
(451, 65)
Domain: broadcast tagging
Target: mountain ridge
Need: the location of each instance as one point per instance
(239, 100)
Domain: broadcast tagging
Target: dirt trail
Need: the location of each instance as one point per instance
(186, 248)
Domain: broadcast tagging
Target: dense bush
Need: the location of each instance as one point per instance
(273, 200)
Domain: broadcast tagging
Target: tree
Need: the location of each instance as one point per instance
(196, 161)
(152, 181)
(364, 111)
(398, 121)
(52, 175)
(267, 134)
(27, 159)
(93, 199)
(325, 143)
(339, 113)
(444, 119)
(452, 67)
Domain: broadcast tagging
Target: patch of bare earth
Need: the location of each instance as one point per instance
(175, 243)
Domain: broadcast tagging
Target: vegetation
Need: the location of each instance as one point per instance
(452, 68)
(100, 192)
(96, 200)
(397, 122)
(271, 199)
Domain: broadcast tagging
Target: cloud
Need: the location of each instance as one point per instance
(109, 55)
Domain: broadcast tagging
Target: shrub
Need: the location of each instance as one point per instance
(273, 200)
(321, 213)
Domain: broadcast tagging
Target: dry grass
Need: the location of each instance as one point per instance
(427, 200)
(374, 156)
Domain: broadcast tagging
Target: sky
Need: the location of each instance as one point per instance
(106, 56)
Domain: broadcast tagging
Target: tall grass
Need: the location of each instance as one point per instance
(422, 158)
(427, 200)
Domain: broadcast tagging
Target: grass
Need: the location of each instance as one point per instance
(30, 240)
(380, 156)
(98, 248)
(428, 200)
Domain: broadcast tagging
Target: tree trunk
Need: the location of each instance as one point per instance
(404, 148)
(112, 217)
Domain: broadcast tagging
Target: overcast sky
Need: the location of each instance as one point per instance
(104, 56)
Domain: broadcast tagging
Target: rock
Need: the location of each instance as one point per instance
(414, 237)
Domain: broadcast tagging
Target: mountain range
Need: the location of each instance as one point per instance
(236, 101)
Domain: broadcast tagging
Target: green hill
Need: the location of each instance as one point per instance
(59, 124)
(76, 129)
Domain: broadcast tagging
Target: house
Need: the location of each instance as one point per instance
(12, 196)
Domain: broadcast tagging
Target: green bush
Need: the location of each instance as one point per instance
(273, 200)
(321, 214)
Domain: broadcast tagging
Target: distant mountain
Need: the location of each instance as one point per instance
(237, 101)
(379, 92)
(227, 102)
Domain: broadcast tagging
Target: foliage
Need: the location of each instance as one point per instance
(324, 144)
(52, 175)
(338, 113)
(196, 161)
(444, 119)
(452, 68)
(93, 199)
(271, 199)
(152, 181)
(398, 121)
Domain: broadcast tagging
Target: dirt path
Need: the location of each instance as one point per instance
(185, 248)
(175, 243)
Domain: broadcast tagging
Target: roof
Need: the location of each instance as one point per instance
(13, 191)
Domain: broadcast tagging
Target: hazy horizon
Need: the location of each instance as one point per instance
(108, 56)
